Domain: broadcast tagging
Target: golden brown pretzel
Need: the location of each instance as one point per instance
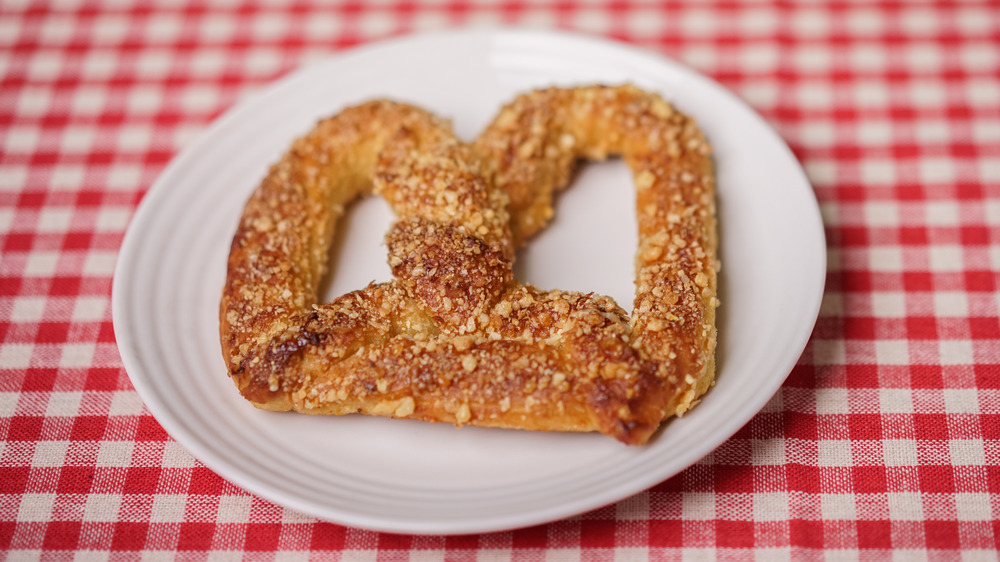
(453, 338)
(533, 146)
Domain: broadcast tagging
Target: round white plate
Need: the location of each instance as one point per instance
(406, 476)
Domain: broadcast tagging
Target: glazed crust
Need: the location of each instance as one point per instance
(454, 337)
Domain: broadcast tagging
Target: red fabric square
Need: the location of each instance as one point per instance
(734, 534)
(89, 428)
(874, 535)
(597, 533)
(942, 534)
(930, 426)
(936, 479)
(13, 479)
(62, 535)
(262, 536)
(25, 428)
(531, 537)
(803, 478)
(805, 534)
(868, 479)
(129, 536)
(195, 536)
(76, 479)
(327, 536)
(204, 481)
(664, 533)
(141, 480)
(865, 426)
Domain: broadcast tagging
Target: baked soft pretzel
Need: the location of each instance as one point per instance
(453, 338)
(532, 147)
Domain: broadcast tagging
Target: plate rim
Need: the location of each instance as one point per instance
(600, 498)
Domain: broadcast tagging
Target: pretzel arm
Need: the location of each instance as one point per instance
(531, 149)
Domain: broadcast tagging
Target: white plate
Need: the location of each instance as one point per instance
(406, 476)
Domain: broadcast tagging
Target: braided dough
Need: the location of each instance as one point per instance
(454, 337)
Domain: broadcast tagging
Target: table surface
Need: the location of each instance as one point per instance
(884, 442)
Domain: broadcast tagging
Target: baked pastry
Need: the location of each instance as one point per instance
(454, 337)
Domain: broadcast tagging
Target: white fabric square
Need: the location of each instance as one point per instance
(818, 133)
(821, 172)
(429, 555)
(956, 352)
(45, 66)
(125, 403)
(67, 177)
(881, 213)
(54, 219)
(12, 178)
(945, 257)
(200, 98)
(36, 507)
(865, 21)
(829, 352)
(234, 509)
(937, 170)
(838, 507)
(941, 213)
(124, 177)
(78, 139)
(986, 130)
(89, 309)
(871, 94)
(134, 138)
(989, 169)
(168, 508)
(16, 355)
(961, 400)
(878, 172)
(629, 554)
(832, 401)
(99, 64)
(21, 140)
(770, 506)
(899, 452)
(50, 453)
(967, 452)
(144, 99)
(635, 508)
(76, 355)
(895, 401)
(981, 92)
(175, 456)
(888, 305)
(88, 100)
(874, 132)
(41, 263)
(815, 95)
(698, 506)
(892, 352)
(885, 258)
(8, 403)
(833, 452)
(905, 506)
(768, 452)
(99, 263)
(34, 101)
(973, 507)
(63, 404)
(115, 453)
(27, 309)
(102, 507)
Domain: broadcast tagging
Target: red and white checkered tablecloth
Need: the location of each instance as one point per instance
(884, 443)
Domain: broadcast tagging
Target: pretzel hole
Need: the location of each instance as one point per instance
(591, 242)
(358, 252)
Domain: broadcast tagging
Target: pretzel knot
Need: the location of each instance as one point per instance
(453, 337)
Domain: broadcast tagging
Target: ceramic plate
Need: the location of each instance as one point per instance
(406, 476)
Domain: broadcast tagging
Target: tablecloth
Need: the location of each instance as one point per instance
(881, 444)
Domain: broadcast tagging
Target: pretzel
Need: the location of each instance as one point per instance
(534, 144)
(453, 337)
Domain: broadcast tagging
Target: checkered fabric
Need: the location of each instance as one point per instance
(883, 444)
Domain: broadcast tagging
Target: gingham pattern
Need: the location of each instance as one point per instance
(883, 444)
